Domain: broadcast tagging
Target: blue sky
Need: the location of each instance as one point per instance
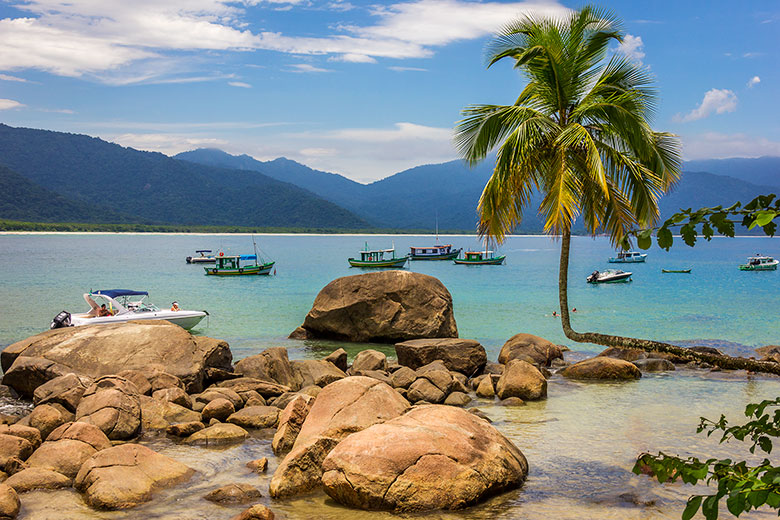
(365, 89)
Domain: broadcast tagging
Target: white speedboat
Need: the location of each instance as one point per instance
(121, 305)
(628, 257)
(609, 276)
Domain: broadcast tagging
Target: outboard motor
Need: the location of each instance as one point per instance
(593, 277)
(61, 320)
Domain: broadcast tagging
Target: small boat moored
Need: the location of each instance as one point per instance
(231, 265)
(203, 258)
(675, 270)
(480, 258)
(376, 258)
(609, 276)
(437, 252)
(628, 257)
(760, 263)
(121, 305)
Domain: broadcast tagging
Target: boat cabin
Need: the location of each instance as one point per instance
(759, 260)
(375, 256)
(121, 301)
(233, 261)
(628, 255)
(432, 250)
(478, 255)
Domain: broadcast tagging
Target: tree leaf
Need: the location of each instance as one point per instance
(710, 507)
(691, 507)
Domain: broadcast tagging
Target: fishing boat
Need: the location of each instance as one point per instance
(628, 257)
(675, 270)
(376, 258)
(437, 252)
(121, 305)
(609, 276)
(203, 257)
(480, 258)
(239, 265)
(760, 263)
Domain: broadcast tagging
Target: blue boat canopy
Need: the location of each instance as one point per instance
(203, 250)
(248, 257)
(113, 293)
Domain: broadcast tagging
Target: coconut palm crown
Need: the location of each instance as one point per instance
(579, 133)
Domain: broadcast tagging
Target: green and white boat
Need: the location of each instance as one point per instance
(239, 265)
(480, 258)
(760, 263)
(376, 258)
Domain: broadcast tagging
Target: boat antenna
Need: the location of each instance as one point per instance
(437, 226)
(254, 243)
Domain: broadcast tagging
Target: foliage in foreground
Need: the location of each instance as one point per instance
(745, 487)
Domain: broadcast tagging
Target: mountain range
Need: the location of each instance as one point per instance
(61, 177)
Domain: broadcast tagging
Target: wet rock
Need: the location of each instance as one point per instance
(338, 358)
(381, 307)
(233, 494)
(30, 434)
(256, 417)
(529, 348)
(9, 503)
(256, 512)
(512, 401)
(446, 459)
(258, 465)
(185, 429)
(37, 478)
(479, 413)
(654, 365)
(215, 392)
(457, 399)
(99, 350)
(68, 447)
(125, 476)
(173, 395)
(112, 403)
(12, 447)
(485, 388)
(290, 422)
(521, 379)
(48, 417)
(604, 368)
(315, 372)
(271, 365)
(466, 356)
(342, 408)
(158, 415)
(65, 390)
(403, 377)
(424, 390)
(218, 434)
(245, 384)
(369, 359)
(219, 409)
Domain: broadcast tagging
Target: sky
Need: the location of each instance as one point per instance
(364, 89)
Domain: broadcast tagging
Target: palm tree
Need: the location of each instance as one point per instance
(579, 134)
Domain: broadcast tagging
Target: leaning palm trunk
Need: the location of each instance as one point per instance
(608, 340)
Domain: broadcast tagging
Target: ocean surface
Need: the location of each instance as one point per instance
(581, 442)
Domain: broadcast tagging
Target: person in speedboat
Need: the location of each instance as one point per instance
(175, 306)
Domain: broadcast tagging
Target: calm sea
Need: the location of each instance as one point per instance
(581, 442)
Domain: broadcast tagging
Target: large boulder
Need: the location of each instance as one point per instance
(381, 307)
(521, 379)
(369, 359)
(341, 408)
(98, 350)
(290, 422)
(433, 457)
(270, 365)
(68, 447)
(533, 349)
(112, 403)
(602, 367)
(256, 417)
(127, 475)
(65, 390)
(466, 356)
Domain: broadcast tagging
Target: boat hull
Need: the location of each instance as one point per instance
(447, 256)
(675, 271)
(621, 278)
(764, 267)
(486, 261)
(241, 271)
(393, 262)
(637, 260)
(201, 260)
(184, 319)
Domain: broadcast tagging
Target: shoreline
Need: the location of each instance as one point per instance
(163, 233)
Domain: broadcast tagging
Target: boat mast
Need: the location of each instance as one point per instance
(437, 227)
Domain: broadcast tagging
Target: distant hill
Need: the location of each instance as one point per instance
(762, 170)
(158, 188)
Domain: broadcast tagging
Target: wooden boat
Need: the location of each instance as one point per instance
(437, 252)
(675, 270)
(203, 258)
(760, 263)
(480, 258)
(231, 265)
(628, 257)
(376, 258)
(609, 276)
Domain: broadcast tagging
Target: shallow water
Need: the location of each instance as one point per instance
(581, 442)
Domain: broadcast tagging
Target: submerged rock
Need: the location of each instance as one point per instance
(521, 379)
(432, 457)
(218, 434)
(604, 368)
(233, 494)
(381, 307)
(256, 512)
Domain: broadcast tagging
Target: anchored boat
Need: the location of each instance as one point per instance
(203, 258)
(675, 270)
(121, 305)
(628, 257)
(238, 265)
(480, 258)
(609, 276)
(376, 258)
(437, 252)
(760, 263)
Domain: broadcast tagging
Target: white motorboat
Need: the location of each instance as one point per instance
(609, 276)
(121, 305)
(760, 263)
(628, 257)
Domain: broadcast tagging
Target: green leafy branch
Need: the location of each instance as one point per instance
(760, 212)
(745, 487)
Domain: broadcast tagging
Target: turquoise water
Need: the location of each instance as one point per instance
(581, 442)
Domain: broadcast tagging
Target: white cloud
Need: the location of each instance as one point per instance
(6, 104)
(755, 80)
(6, 77)
(408, 69)
(353, 58)
(240, 84)
(718, 101)
(305, 67)
(713, 145)
(632, 48)
(169, 144)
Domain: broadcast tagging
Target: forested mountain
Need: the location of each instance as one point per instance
(761, 170)
(157, 188)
